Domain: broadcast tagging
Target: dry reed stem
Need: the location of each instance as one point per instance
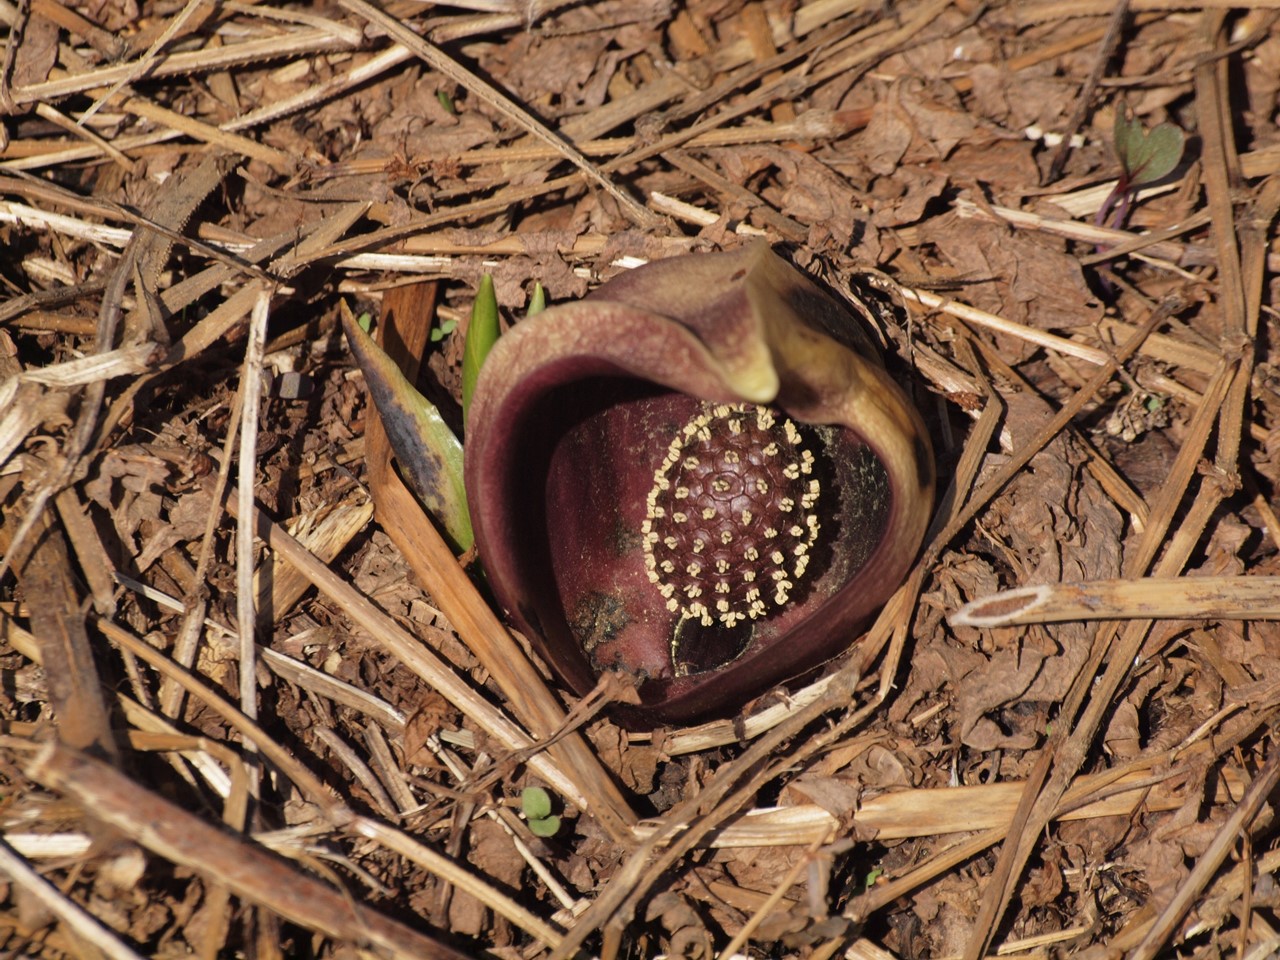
(325, 532)
(443, 866)
(930, 812)
(685, 825)
(294, 671)
(758, 916)
(1157, 243)
(33, 217)
(1039, 11)
(221, 768)
(465, 78)
(671, 86)
(335, 811)
(1224, 841)
(856, 50)
(95, 563)
(812, 125)
(249, 402)
(1180, 598)
(206, 754)
(109, 797)
(306, 782)
(570, 906)
(207, 133)
(294, 43)
(947, 521)
(274, 110)
(1071, 348)
(1200, 748)
(146, 63)
(1066, 751)
(691, 213)
(436, 672)
(720, 733)
(85, 929)
(84, 133)
(43, 567)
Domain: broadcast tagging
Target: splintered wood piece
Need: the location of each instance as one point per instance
(58, 623)
(325, 532)
(930, 812)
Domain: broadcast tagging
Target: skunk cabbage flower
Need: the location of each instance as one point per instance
(700, 475)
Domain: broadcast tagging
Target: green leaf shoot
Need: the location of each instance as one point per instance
(482, 334)
(537, 300)
(429, 453)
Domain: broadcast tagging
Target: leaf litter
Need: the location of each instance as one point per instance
(1117, 772)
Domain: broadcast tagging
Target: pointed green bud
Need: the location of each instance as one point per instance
(482, 334)
(537, 300)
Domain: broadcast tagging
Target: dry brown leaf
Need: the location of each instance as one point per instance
(1028, 280)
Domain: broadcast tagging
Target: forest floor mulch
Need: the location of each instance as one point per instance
(242, 713)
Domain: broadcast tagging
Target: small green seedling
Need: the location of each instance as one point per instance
(1145, 156)
(535, 804)
(873, 875)
(442, 330)
(446, 101)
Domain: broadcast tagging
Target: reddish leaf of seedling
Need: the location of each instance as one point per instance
(1146, 155)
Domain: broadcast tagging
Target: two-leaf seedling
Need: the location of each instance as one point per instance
(443, 329)
(535, 804)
